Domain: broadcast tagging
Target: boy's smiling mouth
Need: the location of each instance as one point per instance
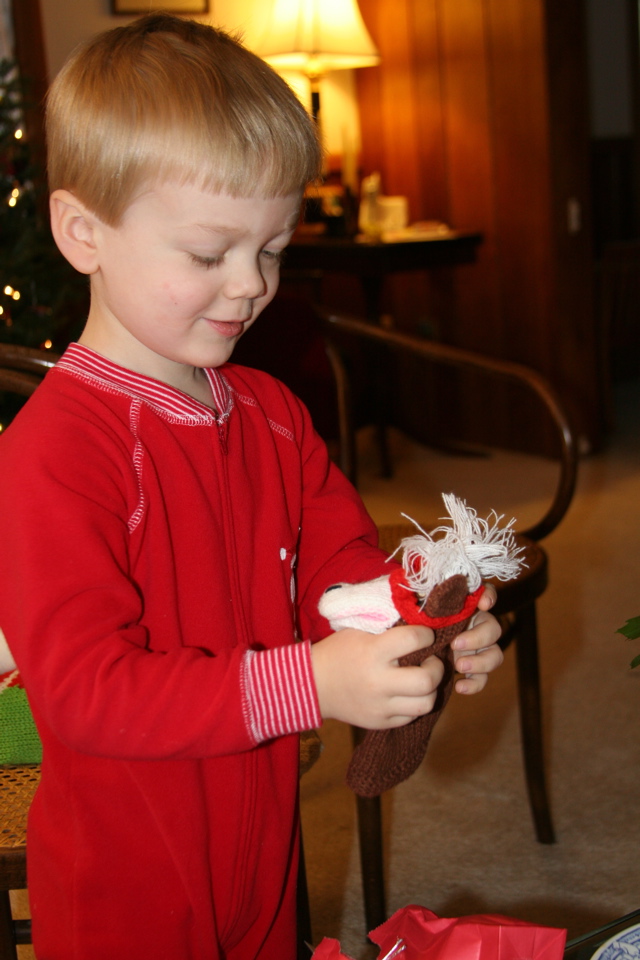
(228, 328)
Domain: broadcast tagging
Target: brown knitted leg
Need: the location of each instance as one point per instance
(385, 758)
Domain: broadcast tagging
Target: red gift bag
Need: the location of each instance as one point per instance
(329, 950)
(415, 933)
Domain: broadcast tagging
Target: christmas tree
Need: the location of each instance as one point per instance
(42, 299)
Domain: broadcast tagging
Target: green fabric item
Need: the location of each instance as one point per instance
(19, 740)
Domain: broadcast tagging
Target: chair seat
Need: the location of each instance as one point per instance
(17, 787)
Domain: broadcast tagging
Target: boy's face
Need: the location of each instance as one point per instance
(183, 276)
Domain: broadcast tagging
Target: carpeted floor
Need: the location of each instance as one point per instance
(458, 834)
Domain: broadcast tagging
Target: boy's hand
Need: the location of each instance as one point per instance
(476, 652)
(359, 681)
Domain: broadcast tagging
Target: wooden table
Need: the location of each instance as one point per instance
(372, 261)
(310, 256)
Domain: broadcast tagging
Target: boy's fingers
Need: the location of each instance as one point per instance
(411, 711)
(418, 696)
(419, 681)
(484, 632)
(399, 641)
(482, 661)
(488, 598)
(471, 684)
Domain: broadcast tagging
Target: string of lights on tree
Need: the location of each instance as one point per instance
(42, 299)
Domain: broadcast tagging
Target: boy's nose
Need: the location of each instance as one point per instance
(246, 283)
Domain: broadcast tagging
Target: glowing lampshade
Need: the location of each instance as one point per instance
(316, 36)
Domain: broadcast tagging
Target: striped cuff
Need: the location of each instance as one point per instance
(280, 692)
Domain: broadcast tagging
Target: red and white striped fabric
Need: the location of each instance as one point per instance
(280, 691)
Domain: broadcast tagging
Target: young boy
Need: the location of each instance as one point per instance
(170, 521)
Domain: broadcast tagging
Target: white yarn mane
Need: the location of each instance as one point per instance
(471, 546)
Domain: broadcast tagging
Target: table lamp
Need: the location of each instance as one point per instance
(314, 37)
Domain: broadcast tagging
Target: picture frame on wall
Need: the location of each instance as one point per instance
(165, 6)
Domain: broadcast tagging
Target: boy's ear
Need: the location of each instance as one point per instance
(74, 231)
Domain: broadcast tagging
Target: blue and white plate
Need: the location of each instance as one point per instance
(624, 946)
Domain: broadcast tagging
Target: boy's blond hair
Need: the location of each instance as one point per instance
(169, 98)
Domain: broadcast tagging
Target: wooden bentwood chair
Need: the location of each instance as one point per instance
(516, 604)
(22, 368)
(17, 787)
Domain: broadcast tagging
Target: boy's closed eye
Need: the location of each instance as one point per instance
(277, 255)
(206, 262)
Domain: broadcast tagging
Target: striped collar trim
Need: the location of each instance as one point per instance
(86, 362)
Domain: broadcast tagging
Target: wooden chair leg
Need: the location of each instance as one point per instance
(369, 817)
(303, 911)
(7, 941)
(526, 637)
(371, 863)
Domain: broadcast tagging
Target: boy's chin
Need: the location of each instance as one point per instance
(217, 358)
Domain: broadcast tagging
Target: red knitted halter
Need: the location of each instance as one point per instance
(406, 603)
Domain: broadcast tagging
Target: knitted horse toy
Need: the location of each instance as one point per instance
(439, 585)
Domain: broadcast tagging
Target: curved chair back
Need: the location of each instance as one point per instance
(30, 359)
(23, 368)
(336, 327)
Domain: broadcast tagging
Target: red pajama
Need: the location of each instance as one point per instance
(158, 561)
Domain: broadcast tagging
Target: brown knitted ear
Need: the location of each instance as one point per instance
(385, 758)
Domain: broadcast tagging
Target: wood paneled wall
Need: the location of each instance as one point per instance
(29, 50)
(478, 114)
